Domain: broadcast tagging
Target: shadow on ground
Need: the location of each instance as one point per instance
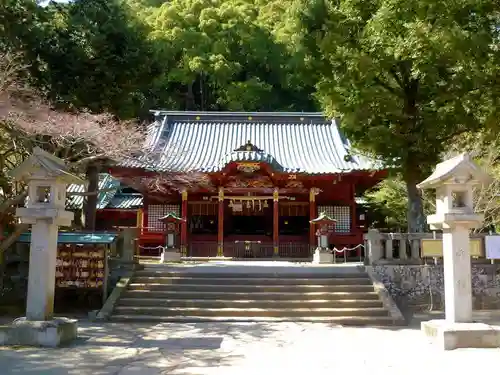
(110, 348)
(224, 348)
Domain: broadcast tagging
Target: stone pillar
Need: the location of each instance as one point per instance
(42, 273)
(312, 216)
(374, 251)
(47, 178)
(184, 213)
(129, 237)
(276, 222)
(454, 180)
(220, 227)
(389, 248)
(415, 248)
(457, 271)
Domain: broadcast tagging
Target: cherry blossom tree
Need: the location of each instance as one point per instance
(80, 138)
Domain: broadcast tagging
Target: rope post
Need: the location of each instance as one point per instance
(345, 250)
(161, 248)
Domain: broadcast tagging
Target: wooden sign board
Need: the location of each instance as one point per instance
(434, 248)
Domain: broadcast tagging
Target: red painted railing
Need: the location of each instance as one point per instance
(294, 250)
(202, 249)
(249, 249)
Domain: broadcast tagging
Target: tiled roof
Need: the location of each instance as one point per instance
(106, 182)
(125, 201)
(77, 237)
(206, 141)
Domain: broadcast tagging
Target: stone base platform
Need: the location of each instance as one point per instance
(322, 257)
(170, 256)
(51, 333)
(451, 336)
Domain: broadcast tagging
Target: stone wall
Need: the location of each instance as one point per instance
(421, 287)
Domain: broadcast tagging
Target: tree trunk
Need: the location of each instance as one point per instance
(190, 98)
(78, 221)
(92, 175)
(10, 204)
(416, 218)
(12, 238)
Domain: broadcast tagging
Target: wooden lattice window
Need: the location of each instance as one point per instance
(156, 211)
(340, 213)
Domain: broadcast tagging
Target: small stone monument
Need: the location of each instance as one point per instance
(454, 180)
(170, 252)
(47, 178)
(325, 225)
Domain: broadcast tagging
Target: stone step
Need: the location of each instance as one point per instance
(250, 280)
(250, 303)
(256, 295)
(202, 288)
(266, 312)
(359, 321)
(148, 272)
(246, 294)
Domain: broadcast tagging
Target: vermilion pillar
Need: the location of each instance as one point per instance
(220, 227)
(140, 220)
(353, 209)
(184, 213)
(276, 222)
(353, 228)
(312, 216)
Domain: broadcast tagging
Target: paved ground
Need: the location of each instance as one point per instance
(241, 349)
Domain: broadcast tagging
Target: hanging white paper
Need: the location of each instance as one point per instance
(492, 247)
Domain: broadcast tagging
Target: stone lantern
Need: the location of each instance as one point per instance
(47, 178)
(454, 181)
(172, 223)
(325, 226)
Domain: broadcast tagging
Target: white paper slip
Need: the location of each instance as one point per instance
(492, 247)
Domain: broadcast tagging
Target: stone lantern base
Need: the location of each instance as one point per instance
(449, 336)
(322, 257)
(170, 255)
(50, 333)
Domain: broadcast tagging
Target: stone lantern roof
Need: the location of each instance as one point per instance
(457, 170)
(43, 165)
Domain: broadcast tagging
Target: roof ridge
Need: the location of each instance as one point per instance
(237, 113)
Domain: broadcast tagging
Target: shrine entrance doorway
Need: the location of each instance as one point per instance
(248, 230)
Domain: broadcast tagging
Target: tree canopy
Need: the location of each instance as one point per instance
(126, 57)
(406, 77)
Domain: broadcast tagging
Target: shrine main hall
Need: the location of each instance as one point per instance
(269, 175)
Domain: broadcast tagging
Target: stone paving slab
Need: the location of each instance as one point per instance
(241, 349)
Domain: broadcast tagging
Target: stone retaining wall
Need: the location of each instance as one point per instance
(421, 287)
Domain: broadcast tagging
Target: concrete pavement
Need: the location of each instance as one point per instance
(240, 349)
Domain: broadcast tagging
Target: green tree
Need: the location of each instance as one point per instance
(219, 56)
(94, 54)
(406, 77)
(485, 148)
(389, 198)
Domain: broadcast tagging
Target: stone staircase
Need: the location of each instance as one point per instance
(169, 295)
